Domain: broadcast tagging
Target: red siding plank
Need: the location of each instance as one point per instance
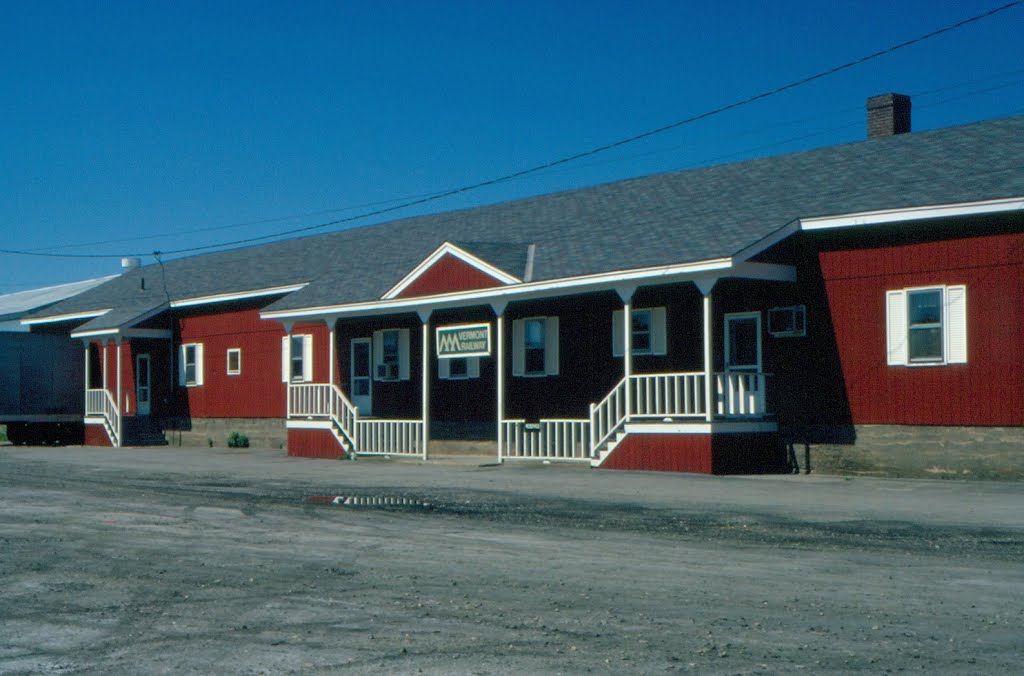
(96, 435)
(663, 453)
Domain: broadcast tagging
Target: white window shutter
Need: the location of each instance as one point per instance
(659, 341)
(896, 328)
(443, 369)
(551, 346)
(518, 347)
(618, 320)
(181, 365)
(403, 354)
(307, 358)
(956, 324)
(473, 367)
(286, 358)
(199, 364)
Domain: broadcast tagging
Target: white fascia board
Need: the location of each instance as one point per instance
(90, 314)
(912, 214)
(716, 267)
(238, 295)
(449, 249)
(147, 333)
(120, 328)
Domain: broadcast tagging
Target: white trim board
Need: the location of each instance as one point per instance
(717, 427)
(449, 249)
(236, 295)
(308, 424)
(912, 214)
(90, 314)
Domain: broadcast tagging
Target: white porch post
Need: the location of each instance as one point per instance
(332, 349)
(709, 383)
(626, 295)
(104, 365)
(117, 345)
(499, 365)
(425, 318)
(86, 377)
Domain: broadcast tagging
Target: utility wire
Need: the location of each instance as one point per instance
(564, 160)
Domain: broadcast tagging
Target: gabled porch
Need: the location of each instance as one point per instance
(535, 380)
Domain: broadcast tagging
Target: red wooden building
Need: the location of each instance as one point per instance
(699, 321)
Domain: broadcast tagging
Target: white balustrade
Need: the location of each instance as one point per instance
(547, 439)
(389, 437)
(661, 395)
(100, 402)
(740, 394)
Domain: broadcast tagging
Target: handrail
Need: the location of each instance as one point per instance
(607, 416)
(101, 402)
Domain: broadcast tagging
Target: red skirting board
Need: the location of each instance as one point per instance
(738, 453)
(314, 444)
(96, 435)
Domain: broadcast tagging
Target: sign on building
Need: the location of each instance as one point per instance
(463, 340)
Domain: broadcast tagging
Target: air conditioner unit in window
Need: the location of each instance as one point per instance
(387, 372)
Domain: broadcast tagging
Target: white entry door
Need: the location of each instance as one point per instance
(143, 386)
(361, 380)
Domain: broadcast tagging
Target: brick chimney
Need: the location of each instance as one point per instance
(888, 114)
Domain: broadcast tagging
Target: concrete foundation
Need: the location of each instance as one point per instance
(214, 432)
(921, 452)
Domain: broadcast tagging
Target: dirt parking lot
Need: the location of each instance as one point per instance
(215, 561)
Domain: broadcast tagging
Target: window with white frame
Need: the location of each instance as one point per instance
(535, 347)
(297, 358)
(458, 368)
(234, 359)
(391, 354)
(926, 326)
(788, 322)
(647, 331)
(190, 365)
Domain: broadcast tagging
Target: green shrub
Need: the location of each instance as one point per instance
(237, 440)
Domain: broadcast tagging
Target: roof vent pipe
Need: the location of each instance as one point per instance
(888, 115)
(129, 264)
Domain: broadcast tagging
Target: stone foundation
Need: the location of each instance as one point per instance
(920, 452)
(214, 432)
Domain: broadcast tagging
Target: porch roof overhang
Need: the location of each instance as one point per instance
(702, 273)
(122, 324)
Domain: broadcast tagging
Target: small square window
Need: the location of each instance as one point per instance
(234, 361)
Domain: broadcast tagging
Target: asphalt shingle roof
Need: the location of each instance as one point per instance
(677, 217)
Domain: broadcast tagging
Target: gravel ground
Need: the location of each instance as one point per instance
(214, 561)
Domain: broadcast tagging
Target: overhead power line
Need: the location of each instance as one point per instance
(557, 162)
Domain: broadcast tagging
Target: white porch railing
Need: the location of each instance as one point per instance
(99, 402)
(390, 437)
(660, 395)
(326, 401)
(740, 394)
(549, 439)
(608, 415)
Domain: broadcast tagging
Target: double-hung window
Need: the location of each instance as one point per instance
(535, 347)
(647, 333)
(190, 365)
(297, 358)
(391, 354)
(926, 326)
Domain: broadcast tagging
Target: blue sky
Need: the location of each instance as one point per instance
(135, 127)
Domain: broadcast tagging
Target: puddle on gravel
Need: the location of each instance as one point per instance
(372, 501)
